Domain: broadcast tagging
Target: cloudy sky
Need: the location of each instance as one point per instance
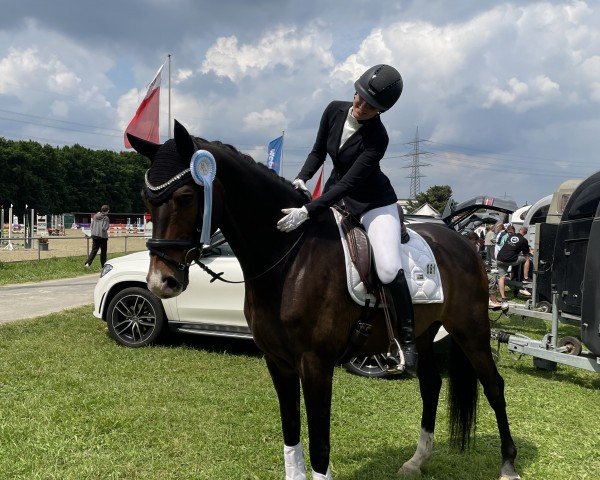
(506, 96)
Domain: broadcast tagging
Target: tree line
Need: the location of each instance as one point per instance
(54, 180)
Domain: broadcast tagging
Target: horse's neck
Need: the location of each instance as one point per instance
(253, 203)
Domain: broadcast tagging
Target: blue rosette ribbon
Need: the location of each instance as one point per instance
(203, 168)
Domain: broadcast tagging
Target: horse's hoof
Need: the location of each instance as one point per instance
(508, 472)
(409, 469)
(516, 476)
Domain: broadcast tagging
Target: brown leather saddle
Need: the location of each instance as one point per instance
(361, 252)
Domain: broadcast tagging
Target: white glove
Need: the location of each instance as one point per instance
(300, 185)
(293, 219)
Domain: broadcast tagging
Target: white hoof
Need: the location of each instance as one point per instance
(409, 469)
(295, 468)
(320, 476)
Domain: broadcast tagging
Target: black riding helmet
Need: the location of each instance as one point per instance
(380, 86)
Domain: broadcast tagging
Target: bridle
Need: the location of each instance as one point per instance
(157, 246)
(193, 248)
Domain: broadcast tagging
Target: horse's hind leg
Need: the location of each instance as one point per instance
(287, 386)
(476, 346)
(430, 384)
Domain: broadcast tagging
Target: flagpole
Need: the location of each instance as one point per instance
(169, 119)
(281, 159)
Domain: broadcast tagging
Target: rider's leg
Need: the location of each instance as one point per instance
(383, 227)
(399, 301)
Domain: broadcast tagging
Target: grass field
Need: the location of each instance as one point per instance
(74, 405)
(49, 269)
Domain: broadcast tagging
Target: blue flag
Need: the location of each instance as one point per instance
(274, 151)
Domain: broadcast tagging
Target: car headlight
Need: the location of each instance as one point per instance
(107, 268)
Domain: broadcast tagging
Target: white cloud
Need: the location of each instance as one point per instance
(282, 46)
(182, 75)
(265, 119)
(63, 82)
(522, 96)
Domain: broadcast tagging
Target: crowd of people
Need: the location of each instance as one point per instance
(507, 255)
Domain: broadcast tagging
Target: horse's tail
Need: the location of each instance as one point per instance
(462, 397)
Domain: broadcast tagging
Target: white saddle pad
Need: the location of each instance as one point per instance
(418, 263)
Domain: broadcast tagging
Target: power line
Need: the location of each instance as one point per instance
(61, 121)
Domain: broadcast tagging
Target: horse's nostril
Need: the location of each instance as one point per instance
(172, 283)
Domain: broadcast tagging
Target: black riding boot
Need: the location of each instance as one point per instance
(400, 307)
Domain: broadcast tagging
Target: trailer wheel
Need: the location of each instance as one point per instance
(573, 345)
(544, 306)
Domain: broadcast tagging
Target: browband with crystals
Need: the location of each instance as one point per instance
(159, 194)
(167, 183)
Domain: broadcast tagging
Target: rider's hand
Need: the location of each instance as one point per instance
(293, 219)
(300, 185)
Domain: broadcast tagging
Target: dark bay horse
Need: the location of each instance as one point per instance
(297, 304)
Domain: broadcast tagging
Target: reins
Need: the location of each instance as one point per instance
(219, 276)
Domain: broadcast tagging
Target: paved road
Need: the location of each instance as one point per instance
(29, 300)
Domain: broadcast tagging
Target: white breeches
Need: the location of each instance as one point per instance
(383, 229)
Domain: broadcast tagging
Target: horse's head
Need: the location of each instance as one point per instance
(176, 204)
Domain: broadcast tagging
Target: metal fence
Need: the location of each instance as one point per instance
(20, 248)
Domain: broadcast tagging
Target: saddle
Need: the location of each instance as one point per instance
(361, 252)
(418, 263)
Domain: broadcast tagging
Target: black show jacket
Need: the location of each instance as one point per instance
(356, 176)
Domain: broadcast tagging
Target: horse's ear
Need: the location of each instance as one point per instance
(146, 148)
(184, 142)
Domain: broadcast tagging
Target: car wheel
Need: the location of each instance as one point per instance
(135, 317)
(544, 306)
(373, 366)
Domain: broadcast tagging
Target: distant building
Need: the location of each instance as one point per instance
(427, 210)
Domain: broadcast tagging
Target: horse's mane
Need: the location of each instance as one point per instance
(248, 160)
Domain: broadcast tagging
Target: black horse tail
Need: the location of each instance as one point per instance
(462, 398)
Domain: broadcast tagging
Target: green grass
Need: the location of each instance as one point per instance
(47, 269)
(74, 405)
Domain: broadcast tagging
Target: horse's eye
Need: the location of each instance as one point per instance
(184, 200)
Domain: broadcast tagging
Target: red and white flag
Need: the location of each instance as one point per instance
(319, 186)
(144, 123)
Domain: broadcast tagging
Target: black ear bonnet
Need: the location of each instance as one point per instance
(168, 171)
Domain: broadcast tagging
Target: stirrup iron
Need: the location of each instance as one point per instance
(395, 363)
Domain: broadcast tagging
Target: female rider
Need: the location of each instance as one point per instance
(356, 140)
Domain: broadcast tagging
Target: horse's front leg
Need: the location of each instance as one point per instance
(287, 386)
(316, 374)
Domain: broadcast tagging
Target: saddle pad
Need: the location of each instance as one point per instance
(418, 263)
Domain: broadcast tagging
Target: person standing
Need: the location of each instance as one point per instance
(99, 233)
(514, 252)
(356, 140)
(488, 242)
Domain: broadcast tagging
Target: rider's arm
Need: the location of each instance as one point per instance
(317, 156)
